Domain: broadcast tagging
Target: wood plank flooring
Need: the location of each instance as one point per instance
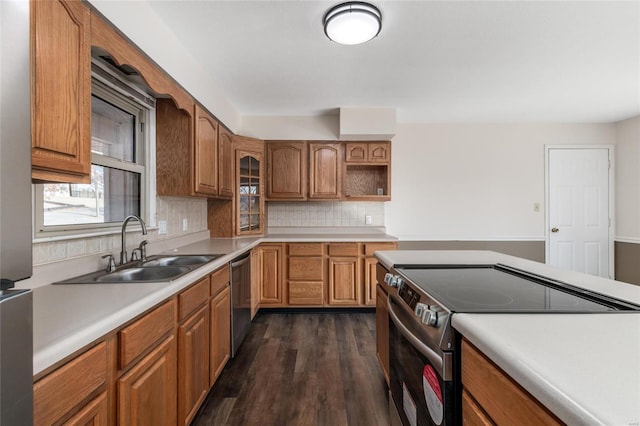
(317, 368)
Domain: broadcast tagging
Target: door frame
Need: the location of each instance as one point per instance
(612, 205)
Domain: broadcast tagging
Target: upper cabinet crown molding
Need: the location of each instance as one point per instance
(108, 40)
(60, 91)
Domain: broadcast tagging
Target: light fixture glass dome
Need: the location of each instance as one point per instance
(352, 22)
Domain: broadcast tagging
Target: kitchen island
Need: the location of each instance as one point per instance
(584, 368)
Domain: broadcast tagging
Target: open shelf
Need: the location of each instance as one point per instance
(367, 182)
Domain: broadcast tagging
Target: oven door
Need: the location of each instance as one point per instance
(422, 396)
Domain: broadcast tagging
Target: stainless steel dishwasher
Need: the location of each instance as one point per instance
(240, 300)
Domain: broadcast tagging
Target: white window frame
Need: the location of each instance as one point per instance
(110, 85)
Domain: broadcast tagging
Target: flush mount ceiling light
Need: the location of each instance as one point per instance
(353, 22)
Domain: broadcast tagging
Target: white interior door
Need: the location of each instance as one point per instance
(578, 234)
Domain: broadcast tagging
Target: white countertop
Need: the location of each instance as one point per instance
(66, 318)
(584, 367)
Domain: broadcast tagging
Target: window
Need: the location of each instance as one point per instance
(121, 118)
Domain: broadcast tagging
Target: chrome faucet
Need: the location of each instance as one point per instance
(123, 238)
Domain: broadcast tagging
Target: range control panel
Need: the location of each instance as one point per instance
(410, 296)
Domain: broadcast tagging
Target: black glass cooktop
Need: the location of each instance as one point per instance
(493, 289)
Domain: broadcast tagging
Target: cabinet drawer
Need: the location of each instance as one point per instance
(142, 334)
(306, 293)
(369, 248)
(343, 249)
(505, 401)
(305, 268)
(305, 249)
(193, 297)
(219, 280)
(472, 415)
(58, 393)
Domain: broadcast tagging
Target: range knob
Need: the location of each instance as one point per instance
(426, 314)
(393, 280)
(430, 317)
(420, 309)
(390, 279)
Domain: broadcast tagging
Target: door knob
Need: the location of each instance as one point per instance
(554, 229)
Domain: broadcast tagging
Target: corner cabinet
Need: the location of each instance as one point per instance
(250, 188)
(269, 273)
(60, 91)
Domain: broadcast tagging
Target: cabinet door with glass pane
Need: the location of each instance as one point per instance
(250, 198)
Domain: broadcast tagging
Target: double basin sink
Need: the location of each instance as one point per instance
(154, 269)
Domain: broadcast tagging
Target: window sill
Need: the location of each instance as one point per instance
(85, 235)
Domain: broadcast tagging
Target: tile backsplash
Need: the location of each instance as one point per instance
(324, 213)
(170, 209)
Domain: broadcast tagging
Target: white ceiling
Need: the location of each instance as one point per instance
(435, 61)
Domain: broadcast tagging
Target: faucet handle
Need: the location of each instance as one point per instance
(134, 254)
(143, 249)
(111, 265)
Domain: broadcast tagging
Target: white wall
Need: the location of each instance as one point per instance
(628, 180)
(142, 26)
(321, 127)
(466, 182)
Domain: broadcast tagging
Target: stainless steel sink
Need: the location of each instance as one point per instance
(166, 273)
(182, 260)
(155, 269)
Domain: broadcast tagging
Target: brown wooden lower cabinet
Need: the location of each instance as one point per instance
(270, 273)
(382, 331)
(193, 363)
(147, 393)
(63, 392)
(156, 370)
(95, 413)
(344, 281)
(336, 274)
(220, 337)
(472, 414)
(493, 396)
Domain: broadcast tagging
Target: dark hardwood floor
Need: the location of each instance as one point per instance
(316, 368)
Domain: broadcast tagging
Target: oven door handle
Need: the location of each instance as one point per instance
(429, 353)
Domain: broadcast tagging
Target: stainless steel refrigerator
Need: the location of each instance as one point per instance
(16, 317)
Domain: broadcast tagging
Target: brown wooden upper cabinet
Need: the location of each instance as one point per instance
(326, 164)
(206, 150)
(287, 170)
(368, 174)
(60, 91)
(225, 163)
(368, 152)
(301, 170)
(193, 153)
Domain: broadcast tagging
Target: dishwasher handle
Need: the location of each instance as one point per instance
(241, 260)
